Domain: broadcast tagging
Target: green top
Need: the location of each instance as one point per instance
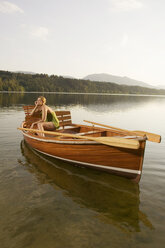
(51, 117)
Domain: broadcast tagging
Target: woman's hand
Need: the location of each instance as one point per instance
(36, 105)
(32, 125)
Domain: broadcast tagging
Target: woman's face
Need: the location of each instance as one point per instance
(39, 101)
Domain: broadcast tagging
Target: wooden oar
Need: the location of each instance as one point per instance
(150, 136)
(110, 141)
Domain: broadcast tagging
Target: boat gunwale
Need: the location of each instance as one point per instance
(72, 140)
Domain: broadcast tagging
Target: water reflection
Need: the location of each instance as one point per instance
(115, 199)
(92, 102)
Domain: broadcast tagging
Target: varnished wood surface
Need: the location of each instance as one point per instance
(94, 154)
(110, 141)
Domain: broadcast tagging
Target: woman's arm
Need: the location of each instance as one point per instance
(44, 115)
(34, 109)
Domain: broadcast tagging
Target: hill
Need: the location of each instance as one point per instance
(103, 77)
(10, 81)
(25, 72)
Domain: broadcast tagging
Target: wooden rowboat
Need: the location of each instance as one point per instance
(88, 146)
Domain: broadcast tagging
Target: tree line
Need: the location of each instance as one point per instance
(10, 81)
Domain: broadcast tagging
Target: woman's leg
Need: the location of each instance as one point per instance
(40, 127)
(48, 126)
(45, 126)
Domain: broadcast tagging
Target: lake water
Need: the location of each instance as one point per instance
(45, 203)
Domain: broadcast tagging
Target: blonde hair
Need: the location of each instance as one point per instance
(43, 99)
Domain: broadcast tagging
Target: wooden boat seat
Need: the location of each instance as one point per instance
(63, 116)
(28, 109)
(79, 134)
(89, 132)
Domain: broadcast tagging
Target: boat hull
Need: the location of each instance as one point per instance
(120, 161)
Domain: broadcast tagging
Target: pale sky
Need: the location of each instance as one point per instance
(81, 37)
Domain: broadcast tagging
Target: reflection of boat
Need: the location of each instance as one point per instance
(87, 146)
(115, 200)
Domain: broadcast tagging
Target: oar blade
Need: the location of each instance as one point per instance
(150, 136)
(119, 142)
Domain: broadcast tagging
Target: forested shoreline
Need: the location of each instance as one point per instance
(10, 81)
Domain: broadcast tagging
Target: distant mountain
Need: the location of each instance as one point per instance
(25, 72)
(160, 87)
(103, 77)
(66, 76)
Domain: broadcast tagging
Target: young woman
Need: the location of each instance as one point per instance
(48, 120)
